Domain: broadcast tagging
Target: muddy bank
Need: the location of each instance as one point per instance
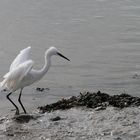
(77, 124)
(87, 116)
(93, 100)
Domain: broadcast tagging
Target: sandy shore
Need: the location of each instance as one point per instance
(76, 123)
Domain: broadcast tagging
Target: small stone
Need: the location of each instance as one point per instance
(41, 89)
(55, 119)
(10, 134)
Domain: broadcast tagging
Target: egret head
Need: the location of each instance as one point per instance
(54, 51)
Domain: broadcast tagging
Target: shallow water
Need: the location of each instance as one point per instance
(100, 37)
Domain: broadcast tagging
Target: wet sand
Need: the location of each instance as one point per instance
(76, 123)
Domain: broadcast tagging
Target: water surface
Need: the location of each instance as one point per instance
(100, 37)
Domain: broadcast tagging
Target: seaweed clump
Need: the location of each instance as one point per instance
(93, 100)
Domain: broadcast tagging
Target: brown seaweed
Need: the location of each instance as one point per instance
(92, 100)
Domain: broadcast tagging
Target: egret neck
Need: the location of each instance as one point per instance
(46, 66)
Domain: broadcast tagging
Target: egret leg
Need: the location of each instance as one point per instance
(19, 99)
(17, 110)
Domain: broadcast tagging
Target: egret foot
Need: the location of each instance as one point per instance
(17, 112)
(25, 118)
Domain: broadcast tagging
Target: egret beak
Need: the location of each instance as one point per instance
(62, 56)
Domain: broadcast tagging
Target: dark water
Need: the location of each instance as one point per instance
(101, 37)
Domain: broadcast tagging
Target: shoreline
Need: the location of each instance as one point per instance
(86, 116)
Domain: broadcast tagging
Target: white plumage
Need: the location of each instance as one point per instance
(22, 57)
(14, 77)
(22, 74)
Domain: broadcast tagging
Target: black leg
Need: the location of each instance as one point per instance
(19, 99)
(17, 110)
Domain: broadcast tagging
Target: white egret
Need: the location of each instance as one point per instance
(22, 74)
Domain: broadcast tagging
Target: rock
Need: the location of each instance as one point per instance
(41, 89)
(55, 118)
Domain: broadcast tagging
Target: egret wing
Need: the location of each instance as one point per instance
(14, 77)
(21, 58)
